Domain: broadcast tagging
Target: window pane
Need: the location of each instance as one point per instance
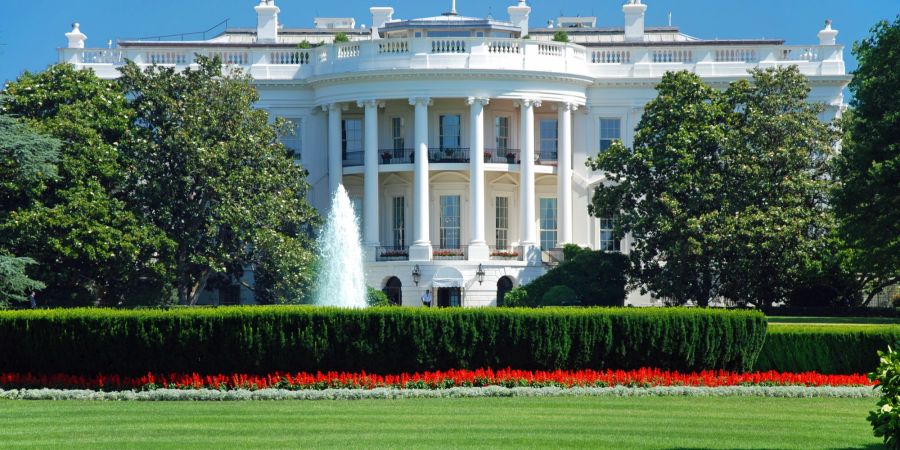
(548, 223)
(608, 240)
(292, 140)
(610, 131)
(502, 223)
(450, 131)
(397, 133)
(399, 222)
(501, 131)
(352, 136)
(450, 232)
(549, 133)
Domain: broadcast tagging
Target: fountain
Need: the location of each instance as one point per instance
(341, 281)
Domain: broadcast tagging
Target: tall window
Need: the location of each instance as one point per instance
(450, 129)
(608, 241)
(548, 223)
(502, 223)
(610, 131)
(450, 221)
(352, 140)
(501, 133)
(549, 134)
(292, 140)
(397, 133)
(399, 222)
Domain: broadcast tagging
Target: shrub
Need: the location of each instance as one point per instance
(832, 349)
(559, 296)
(374, 297)
(265, 339)
(598, 279)
(516, 298)
(341, 37)
(560, 36)
(304, 44)
(886, 419)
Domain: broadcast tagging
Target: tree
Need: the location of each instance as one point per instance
(867, 196)
(341, 37)
(206, 167)
(14, 283)
(89, 247)
(561, 36)
(724, 192)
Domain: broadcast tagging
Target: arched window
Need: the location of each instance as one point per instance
(504, 285)
(393, 290)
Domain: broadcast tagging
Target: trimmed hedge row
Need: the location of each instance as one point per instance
(377, 340)
(830, 349)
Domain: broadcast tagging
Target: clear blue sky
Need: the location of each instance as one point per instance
(31, 30)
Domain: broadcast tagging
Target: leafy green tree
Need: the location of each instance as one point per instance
(561, 36)
(88, 246)
(867, 197)
(206, 167)
(14, 282)
(341, 37)
(724, 192)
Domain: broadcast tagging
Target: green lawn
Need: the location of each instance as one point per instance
(653, 422)
(836, 320)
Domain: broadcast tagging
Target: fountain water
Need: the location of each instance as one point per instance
(340, 280)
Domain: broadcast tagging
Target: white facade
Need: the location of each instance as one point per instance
(462, 143)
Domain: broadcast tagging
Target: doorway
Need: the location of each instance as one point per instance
(449, 297)
(504, 285)
(394, 291)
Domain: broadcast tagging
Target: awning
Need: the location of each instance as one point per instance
(447, 277)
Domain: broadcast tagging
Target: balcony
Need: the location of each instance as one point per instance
(501, 155)
(352, 159)
(546, 157)
(450, 254)
(397, 156)
(392, 253)
(448, 155)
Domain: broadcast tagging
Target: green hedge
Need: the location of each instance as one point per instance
(265, 339)
(833, 349)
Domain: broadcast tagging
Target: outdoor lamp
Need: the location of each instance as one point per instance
(416, 274)
(480, 274)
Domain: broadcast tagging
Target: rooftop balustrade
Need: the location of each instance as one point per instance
(285, 62)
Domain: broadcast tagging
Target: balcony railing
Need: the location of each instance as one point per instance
(505, 253)
(397, 156)
(353, 159)
(450, 254)
(546, 157)
(502, 155)
(448, 155)
(393, 253)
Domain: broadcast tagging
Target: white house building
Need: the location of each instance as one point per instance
(462, 140)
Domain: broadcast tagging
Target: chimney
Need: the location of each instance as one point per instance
(634, 20)
(76, 37)
(380, 16)
(518, 16)
(267, 22)
(828, 36)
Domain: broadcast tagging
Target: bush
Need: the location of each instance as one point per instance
(341, 37)
(374, 297)
(831, 349)
(516, 298)
(264, 339)
(886, 419)
(598, 279)
(559, 296)
(560, 36)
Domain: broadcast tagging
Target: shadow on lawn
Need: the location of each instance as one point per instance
(862, 447)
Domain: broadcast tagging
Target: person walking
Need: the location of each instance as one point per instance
(426, 298)
(32, 300)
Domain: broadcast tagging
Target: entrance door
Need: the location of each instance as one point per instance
(449, 297)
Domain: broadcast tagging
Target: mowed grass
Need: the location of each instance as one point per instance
(621, 423)
(835, 320)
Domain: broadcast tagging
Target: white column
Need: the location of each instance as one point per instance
(370, 181)
(335, 165)
(478, 248)
(421, 248)
(564, 173)
(528, 227)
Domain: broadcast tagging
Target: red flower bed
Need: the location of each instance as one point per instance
(430, 380)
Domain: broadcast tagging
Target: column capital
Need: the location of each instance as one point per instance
(528, 103)
(566, 106)
(370, 103)
(420, 100)
(334, 107)
(483, 100)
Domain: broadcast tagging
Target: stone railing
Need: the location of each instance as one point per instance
(281, 62)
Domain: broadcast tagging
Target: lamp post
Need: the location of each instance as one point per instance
(479, 274)
(416, 274)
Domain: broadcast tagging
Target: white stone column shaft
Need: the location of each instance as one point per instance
(528, 226)
(370, 173)
(421, 248)
(564, 174)
(335, 165)
(478, 249)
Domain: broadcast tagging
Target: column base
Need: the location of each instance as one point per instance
(479, 252)
(531, 254)
(420, 252)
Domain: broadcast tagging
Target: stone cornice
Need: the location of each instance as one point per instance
(393, 75)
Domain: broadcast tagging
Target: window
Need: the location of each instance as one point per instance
(450, 221)
(351, 139)
(399, 222)
(610, 131)
(608, 241)
(549, 133)
(502, 223)
(548, 223)
(501, 133)
(397, 133)
(292, 140)
(450, 129)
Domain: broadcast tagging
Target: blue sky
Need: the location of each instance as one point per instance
(31, 30)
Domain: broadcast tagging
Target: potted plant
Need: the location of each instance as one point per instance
(488, 156)
(510, 158)
(386, 157)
